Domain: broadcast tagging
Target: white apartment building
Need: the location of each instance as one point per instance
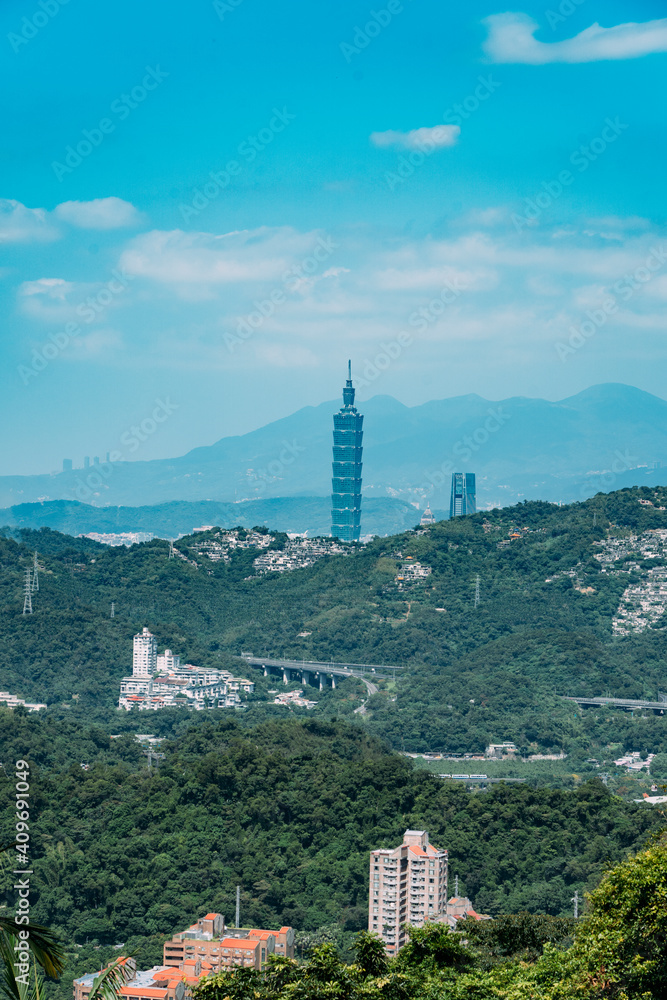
(408, 885)
(144, 654)
(167, 661)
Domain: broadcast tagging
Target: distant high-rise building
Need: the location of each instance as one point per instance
(346, 482)
(408, 885)
(428, 517)
(67, 464)
(463, 499)
(86, 462)
(144, 654)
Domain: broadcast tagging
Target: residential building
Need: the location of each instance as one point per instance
(13, 701)
(84, 985)
(167, 661)
(224, 947)
(463, 498)
(67, 464)
(144, 654)
(408, 885)
(162, 681)
(347, 455)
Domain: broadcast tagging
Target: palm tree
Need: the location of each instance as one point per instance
(47, 952)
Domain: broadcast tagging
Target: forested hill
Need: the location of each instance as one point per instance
(474, 670)
(289, 811)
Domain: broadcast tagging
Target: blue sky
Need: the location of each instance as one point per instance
(217, 206)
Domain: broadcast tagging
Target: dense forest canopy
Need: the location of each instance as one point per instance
(124, 854)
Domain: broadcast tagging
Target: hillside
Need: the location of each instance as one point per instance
(543, 627)
(608, 436)
(288, 810)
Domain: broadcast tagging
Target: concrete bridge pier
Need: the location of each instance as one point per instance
(287, 675)
(333, 681)
(322, 682)
(305, 677)
(266, 672)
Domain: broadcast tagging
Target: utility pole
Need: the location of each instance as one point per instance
(477, 590)
(575, 900)
(35, 577)
(238, 906)
(27, 593)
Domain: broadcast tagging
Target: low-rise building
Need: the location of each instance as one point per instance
(12, 701)
(223, 947)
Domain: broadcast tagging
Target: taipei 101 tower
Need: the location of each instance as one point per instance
(346, 482)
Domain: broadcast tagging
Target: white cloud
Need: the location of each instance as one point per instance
(19, 224)
(101, 213)
(183, 259)
(422, 139)
(511, 40)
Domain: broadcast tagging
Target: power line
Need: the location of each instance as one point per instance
(113, 609)
(477, 590)
(35, 577)
(27, 593)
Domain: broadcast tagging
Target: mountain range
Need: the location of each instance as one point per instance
(607, 437)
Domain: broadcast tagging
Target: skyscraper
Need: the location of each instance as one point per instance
(144, 654)
(463, 494)
(407, 885)
(346, 482)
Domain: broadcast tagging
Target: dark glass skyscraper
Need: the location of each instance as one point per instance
(346, 482)
(463, 499)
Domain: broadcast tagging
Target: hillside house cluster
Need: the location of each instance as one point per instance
(643, 602)
(633, 761)
(294, 698)
(163, 682)
(219, 546)
(411, 571)
(203, 949)
(298, 553)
